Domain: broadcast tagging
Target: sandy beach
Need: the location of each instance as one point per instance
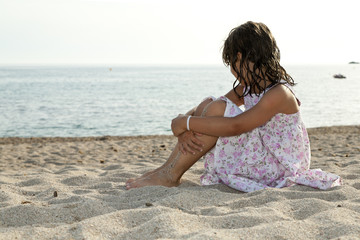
(73, 188)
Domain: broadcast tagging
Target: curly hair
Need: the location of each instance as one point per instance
(257, 46)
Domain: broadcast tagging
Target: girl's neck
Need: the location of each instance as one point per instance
(263, 84)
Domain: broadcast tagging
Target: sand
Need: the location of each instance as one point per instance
(73, 188)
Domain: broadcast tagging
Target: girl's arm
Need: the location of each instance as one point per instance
(191, 112)
(188, 140)
(277, 100)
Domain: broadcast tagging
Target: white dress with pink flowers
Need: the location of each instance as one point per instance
(276, 154)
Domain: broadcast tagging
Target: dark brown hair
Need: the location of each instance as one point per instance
(258, 46)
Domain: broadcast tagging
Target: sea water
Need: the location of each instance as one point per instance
(142, 100)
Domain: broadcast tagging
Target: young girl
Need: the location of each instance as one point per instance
(265, 146)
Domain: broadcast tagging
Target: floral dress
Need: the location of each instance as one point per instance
(276, 154)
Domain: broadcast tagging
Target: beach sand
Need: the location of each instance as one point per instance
(73, 188)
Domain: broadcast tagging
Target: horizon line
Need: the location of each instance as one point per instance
(150, 64)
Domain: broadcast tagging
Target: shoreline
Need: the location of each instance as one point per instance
(17, 140)
(73, 188)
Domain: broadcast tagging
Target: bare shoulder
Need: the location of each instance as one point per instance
(278, 93)
(281, 90)
(282, 98)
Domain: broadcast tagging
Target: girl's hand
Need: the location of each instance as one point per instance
(178, 125)
(189, 142)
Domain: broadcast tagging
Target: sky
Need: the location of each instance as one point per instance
(171, 32)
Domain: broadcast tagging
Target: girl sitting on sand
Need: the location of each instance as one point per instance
(265, 146)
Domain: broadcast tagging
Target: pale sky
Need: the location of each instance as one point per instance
(171, 31)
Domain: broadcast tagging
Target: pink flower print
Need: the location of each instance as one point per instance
(222, 171)
(267, 137)
(258, 172)
(304, 131)
(236, 155)
(276, 145)
(279, 133)
(239, 185)
(262, 172)
(232, 111)
(256, 147)
(226, 181)
(230, 166)
(240, 163)
(247, 151)
(241, 140)
(290, 135)
(277, 117)
(287, 150)
(224, 141)
(254, 157)
(281, 158)
(300, 156)
(209, 158)
(295, 121)
(222, 153)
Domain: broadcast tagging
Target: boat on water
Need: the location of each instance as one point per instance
(338, 76)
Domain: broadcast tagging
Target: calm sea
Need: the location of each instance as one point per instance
(97, 101)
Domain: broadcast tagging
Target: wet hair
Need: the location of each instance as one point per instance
(257, 46)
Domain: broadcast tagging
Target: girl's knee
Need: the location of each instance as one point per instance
(215, 108)
(199, 109)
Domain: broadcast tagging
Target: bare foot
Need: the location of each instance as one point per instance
(142, 176)
(164, 176)
(158, 177)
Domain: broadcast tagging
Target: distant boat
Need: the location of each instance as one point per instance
(339, 76)
(353, 62)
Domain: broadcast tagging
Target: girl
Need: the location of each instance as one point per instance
(265, 146)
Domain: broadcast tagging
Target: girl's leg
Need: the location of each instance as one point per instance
(170, 172)
(197, 111)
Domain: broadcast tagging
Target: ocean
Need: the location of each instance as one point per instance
(75, 101)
